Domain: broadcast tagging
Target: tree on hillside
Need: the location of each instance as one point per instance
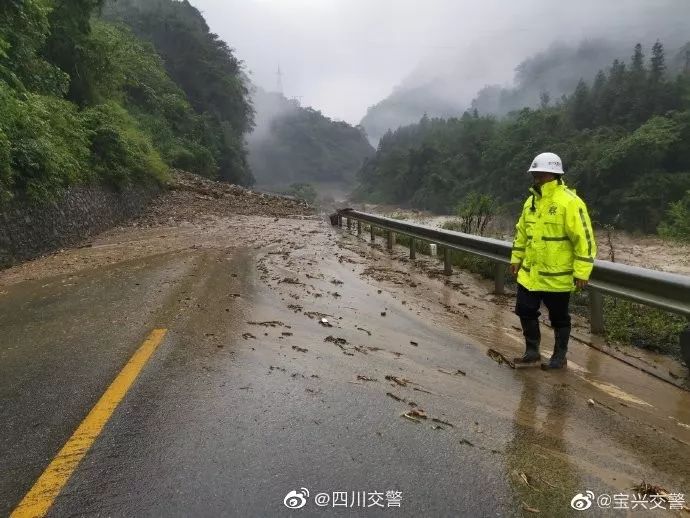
(657, 96)
(676, 223)
(204, 67)
(658, 63)
(598, 99)
(24, 27)
(581, 109)
(620, 107)
(476, 212)
(636, 90)
(70, 27)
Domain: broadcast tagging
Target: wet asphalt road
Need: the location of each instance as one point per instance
(218, 424)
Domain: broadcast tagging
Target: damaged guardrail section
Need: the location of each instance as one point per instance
(667, 291)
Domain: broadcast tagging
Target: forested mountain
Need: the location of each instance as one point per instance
(540, 79)
(544, 78)
(547, 76)
(292, 144)
(406, 105)
(85, 101)
(624, 139)
(206, 70)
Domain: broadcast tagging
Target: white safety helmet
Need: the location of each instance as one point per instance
(547, 163)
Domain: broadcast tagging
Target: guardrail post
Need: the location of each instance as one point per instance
(667, 291)
(391, 239)
(359, 227)
(685, 345)
(596, 312)
(499, 278)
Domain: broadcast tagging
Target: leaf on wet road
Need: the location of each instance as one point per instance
(457, 372)
(269, 323)
(643, 488)
(398, 381)
(397, 398)
(499, 358)
(408, 415)
(529, 509)
(290, 280)
(524, 478)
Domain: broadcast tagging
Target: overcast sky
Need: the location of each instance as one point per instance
(341, 56)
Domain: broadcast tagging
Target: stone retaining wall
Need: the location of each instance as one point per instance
(28, 230)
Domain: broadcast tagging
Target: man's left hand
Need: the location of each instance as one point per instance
(581, 284)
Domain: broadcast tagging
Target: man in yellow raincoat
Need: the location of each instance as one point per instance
(553, 254)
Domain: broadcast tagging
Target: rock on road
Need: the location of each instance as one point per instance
(252, 395)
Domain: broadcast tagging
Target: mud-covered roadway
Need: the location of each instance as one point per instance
(298, 355)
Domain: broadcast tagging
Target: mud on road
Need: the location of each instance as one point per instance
(193, 212)
(301, 355)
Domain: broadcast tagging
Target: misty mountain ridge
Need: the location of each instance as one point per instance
(295, 144)
(542, 78)
(623, 137)
(548, 76)
(439, 87)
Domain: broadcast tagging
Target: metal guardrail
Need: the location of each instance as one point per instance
(666, 291)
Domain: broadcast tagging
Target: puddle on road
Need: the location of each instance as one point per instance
(614, 442)
(617, 393)
(538, 424)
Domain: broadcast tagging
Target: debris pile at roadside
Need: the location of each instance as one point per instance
(191, 197)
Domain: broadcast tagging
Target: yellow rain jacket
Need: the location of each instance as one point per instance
(554, 241)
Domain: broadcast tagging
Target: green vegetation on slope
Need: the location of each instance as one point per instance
(625, 141)
(447, 91)
(205, 68)
(85, 101)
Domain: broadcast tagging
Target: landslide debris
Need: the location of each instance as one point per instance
(190, 197)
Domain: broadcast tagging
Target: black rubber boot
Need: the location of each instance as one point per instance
(560, 349)
(530, 330)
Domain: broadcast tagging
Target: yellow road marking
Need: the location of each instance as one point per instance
(40, 498)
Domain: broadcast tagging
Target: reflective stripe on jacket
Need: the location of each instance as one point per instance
(554, 241)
